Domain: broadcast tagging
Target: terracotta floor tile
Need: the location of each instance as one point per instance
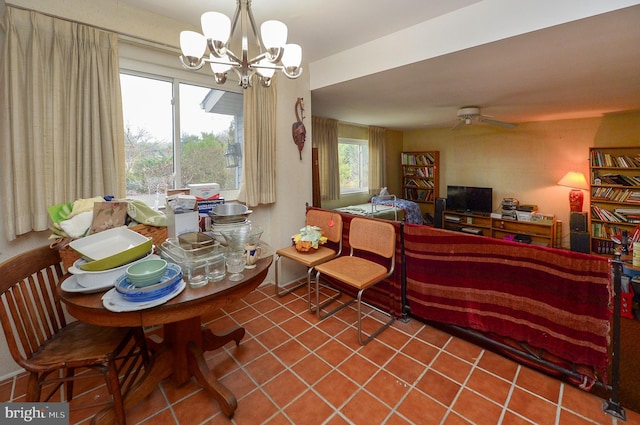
(291, 352)
(439, 387)
(248, 350)
(388, 388)
(312, 338)
(477, 409)
(334, 352)
(514, 419)
(463, 349)
(570, 418)
(308, 409)
(284, 388)
(420, 351)
(405, 368)
(433, 336)
(377, 352)
(452, 367)
(454, 419)
(311, 369)
(393, 338)
(489, 385)
(532, 407)
(257, 325)
(254, 408)
(358, 369)
(273, 337)
(332, 325)
(421, 409)
(336, 388)
(239, 383)
(539, 384)
(583, 403)
(294, 326)
(151, 405)
(279, 315)
(265, 306)
(364, 409)
(264, 368)
(498, 365)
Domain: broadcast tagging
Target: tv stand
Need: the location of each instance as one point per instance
(500, 228)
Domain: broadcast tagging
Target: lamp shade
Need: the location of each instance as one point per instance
(274, 34)
(192, 44)
(292, 57)
(574, 180)
(216, 26)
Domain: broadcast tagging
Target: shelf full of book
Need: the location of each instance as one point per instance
(420, 176)
(615, 196)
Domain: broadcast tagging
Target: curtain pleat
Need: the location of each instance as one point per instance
(377, 155)
(259, 157)
(60, 117)
(325, 139)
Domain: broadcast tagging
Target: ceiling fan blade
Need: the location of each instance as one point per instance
(459, 124)
(498, 123)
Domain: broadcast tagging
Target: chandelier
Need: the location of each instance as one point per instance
(213, 47)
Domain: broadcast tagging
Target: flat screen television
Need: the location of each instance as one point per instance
(470, 199)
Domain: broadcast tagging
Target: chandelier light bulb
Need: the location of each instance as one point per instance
(268, 69)
(218, 68)
(274, 34)
(292, 57)
(193, 46)
(216, 26)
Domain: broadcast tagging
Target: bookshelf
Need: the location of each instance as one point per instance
(615, 195)
(420, 176)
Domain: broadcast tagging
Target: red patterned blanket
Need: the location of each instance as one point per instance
(550, 299)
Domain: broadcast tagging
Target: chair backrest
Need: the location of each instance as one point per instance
(330, 222)
(30, 310)
(375, 236)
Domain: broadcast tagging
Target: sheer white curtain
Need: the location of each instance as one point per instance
(60, 117)
(259, 156)
(377, 155)
(325, 139)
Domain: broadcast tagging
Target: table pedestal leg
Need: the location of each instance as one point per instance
(181, 357)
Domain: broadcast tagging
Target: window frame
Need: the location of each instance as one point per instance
(364, 187)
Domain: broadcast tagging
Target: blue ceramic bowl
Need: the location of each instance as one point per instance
(168, 283)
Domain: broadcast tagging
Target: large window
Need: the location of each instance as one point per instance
(353, 159)
(178, 134)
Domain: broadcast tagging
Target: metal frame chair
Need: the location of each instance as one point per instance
(50, 349)
(365, 236)
(331, 224)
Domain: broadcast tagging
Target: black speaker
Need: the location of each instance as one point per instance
(580, 242)
(441, 206)
(578, 222)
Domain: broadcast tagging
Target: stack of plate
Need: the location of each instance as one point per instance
(166, 286)
(229, 214)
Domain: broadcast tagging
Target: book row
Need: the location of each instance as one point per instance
(419, 159)
(602, 159)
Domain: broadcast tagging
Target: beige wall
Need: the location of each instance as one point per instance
(524, 163)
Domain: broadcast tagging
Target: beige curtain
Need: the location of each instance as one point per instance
(259, 156)
(325, 138)
(377, 155)
(60, 117)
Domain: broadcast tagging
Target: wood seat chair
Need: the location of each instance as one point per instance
(366, 236)
(52, 350)
(331, 224)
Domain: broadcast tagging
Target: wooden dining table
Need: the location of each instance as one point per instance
(180, 354)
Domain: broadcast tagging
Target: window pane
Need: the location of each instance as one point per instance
(353, 157)
(147, 111)
(208, 122)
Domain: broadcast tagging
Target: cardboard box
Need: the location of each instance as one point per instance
(542, 218)
(206, 206)
(523, 216)
(178, 224)
(205, 191)
(180, 203)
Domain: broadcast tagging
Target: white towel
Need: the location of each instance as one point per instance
(77, 225)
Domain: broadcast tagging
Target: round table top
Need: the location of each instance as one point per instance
(191, 302)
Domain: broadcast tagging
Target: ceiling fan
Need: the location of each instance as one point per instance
(467, 114)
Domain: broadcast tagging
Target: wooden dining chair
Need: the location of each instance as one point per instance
(331, 224)
(52, 350)
(375, 240)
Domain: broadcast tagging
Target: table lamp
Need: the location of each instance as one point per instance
(576, 181)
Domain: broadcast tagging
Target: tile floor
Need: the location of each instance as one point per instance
(292, 369)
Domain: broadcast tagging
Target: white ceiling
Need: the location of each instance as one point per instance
(547, 59)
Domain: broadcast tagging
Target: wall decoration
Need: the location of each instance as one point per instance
(298, 130)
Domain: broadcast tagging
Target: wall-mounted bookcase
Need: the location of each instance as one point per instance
(420, 176)
(615, 195)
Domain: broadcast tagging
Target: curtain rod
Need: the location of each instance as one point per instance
(122, 36)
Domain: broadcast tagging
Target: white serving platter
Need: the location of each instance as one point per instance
(113, 301)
